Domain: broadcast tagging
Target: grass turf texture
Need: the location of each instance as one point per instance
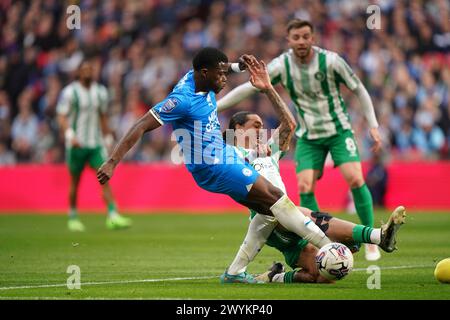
(36, 250)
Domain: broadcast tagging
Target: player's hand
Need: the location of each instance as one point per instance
(375, 134)
(105, 172)
(259, 77)
(71, 138)
(74, 143)
(242, 61)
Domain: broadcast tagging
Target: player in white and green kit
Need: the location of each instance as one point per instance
(312, 76)
(247, 137)
(82, 116)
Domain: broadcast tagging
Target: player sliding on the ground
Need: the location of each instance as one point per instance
(216, 167)
(312, 77)
(298, 253)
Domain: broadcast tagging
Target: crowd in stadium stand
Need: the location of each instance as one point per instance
(141, 48)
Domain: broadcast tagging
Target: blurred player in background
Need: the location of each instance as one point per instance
(312, 77)
(264, 157)
(82, 117)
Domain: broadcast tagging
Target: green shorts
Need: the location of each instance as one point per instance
(289, 244)
(77, 158)
(311, 154)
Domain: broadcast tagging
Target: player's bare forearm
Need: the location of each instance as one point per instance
(63, 123)
(260, 79)
(143, 125)
(287, 120)
(104, 124)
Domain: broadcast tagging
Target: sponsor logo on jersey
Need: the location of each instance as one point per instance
(247, 172)
(169, 105)
(319, 76)
(259, 166)
(213, 122)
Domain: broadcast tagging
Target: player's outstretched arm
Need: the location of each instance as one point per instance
(260, 79)
(239, 93)
(143, 125)
(235, 96)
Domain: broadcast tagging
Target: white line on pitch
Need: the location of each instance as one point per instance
(176, 279)
(397, 267)
(106, 282)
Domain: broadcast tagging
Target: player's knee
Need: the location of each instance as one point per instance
(321, 219)
(305, 186)
(273, 194)
(355, 181)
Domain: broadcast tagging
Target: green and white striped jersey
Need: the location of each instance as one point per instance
(83, 107)
(314, 89)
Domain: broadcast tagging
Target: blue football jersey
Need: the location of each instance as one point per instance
(193, 116)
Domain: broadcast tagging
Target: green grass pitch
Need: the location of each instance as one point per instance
(174, 256)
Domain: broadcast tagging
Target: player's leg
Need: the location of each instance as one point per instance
(306, 180)
(259, 229)
(310, 158)
(243, 183)
(114, 220)
(352, 234)
(345, 154)
(246, 186)
(75, 162)
(265, 198)
(343, 231)
(299, 254)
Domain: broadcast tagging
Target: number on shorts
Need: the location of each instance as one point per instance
(350, 145)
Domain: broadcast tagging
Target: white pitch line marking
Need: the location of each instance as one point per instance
(177, 279)
(106, 282)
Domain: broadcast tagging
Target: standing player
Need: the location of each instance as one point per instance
(298, 253)
(83, 119)
(312, 77)
(216, 167)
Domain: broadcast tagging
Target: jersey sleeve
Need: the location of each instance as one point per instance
(275, 68)
(64, 101)
(171, 109)
(346, 74)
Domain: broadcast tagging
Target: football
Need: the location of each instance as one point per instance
(442, 271)
(334, 261)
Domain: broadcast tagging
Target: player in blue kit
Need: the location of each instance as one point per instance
(191, 109)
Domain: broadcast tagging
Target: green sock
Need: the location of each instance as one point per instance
(308, 200)
(289, 277)
(364, 204)
(73, 213)
(361, 234)
(112, 209)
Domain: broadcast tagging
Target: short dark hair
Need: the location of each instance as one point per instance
(239, 118)
(297, 23)
(208, 58)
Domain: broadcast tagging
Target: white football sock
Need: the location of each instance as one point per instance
(375, 236)
(295, 221)
(259, 229)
